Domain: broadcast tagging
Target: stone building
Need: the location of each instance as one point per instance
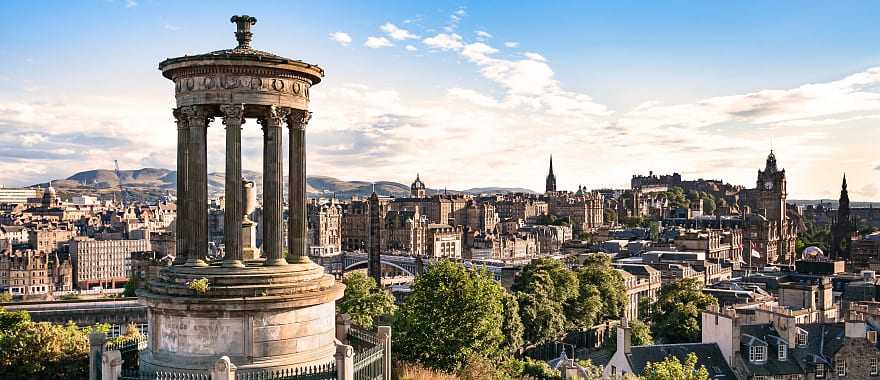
(25, 272)
(105, 263)
(584, 209)
(516, 207)
(49, 238)
(843, 228)
(443, 240)
(481, 216)
(642, 283)
(356, 223)
(405, 231)
(717, 244)
(325, 228)
(768, 230)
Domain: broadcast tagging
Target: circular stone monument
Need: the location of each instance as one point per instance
(268, 313)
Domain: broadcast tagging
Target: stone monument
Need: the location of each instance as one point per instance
(266, 314)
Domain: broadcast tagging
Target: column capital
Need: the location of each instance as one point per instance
(195, 115)
(298, 119)
(273, 117)
(231, 113)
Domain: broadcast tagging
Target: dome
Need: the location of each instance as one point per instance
(418, 184)
(812, 252)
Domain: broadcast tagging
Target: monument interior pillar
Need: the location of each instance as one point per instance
(297, 242)
(233, 117)
(273, 163)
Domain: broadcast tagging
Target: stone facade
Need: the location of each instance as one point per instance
(105, 263)
(325, 229)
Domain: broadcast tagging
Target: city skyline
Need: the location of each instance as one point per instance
(469, 95)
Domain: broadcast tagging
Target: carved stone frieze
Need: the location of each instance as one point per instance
(245, 83)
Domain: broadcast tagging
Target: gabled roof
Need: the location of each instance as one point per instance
(708, 355)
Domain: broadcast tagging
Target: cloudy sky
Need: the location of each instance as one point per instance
(469, 94)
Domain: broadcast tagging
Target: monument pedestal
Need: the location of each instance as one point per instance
(262, 318)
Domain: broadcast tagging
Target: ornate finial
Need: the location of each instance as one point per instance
(243, 32)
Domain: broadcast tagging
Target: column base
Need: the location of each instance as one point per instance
(275, 262)
(195, 263)
(301, 260)
(233, 264)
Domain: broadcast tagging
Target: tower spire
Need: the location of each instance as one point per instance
(551, 178)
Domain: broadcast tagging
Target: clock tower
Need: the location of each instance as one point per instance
(771, 190)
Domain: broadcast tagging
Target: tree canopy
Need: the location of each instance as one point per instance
(363, 300)
(545, 289)
(675, 316)
(598, 272)
(452, 314)
(673, 369)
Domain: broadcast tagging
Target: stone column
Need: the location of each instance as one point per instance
(344, 362)
(182, 222)
(383, 333)
(272, 181)
(233, 117)
(297, 241)
(198, 118)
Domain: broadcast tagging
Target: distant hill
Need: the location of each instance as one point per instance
(149, 183)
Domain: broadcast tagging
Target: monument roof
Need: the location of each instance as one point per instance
(244, 53)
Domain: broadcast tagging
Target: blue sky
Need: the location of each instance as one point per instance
(470, 94)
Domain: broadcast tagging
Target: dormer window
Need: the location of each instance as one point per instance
(757, 353)
(802, 339)
(783, 351)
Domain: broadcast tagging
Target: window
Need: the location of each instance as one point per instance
(841, 367)
(802, 339)
(783, 351)
(757, 353)
(873, 365)
(820, 370)
(872, 336)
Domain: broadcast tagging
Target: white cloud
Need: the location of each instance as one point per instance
(411, 48)
(511, 44)
(444, 41)
(454, 20)
(535, 57)
(170, 27)
(377, 42)
(341, 37)
(131, 3)
(31, 139)
(483, 35)
(397, 33)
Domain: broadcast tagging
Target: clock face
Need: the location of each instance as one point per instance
(768, 185)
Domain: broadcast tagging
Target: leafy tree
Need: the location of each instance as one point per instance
(708, 205)
(539, 370)
(549, 278)
(593, 371)
(551, 220)
(5, 297)
(363, 300)
(511, 325)
(545, 288)
(675, 316)
(598, 272)
(543, 319)
(586, 309)
(453, 313)
(641, 333)
(130, 287)
(672, 369)
(31, 350)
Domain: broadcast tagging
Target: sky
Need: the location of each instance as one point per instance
(469, 94)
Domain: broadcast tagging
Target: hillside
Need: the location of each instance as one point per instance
(150, 183)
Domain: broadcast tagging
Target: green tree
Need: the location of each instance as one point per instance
(586, 309)
(673, 369)
(511, 325)
(543, 319)
(593, 372)
(31, 350)
(363, 300)
(545, 289)
(708, 205)
(675, 316)
(598, 272)
(5, 297)
(130, 287)
(641, 333)
(452, 314)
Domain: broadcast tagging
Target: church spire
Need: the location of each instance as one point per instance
(551, 178)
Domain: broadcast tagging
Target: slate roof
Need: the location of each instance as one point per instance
(767, 334)
(708, 355)
(823, 342)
